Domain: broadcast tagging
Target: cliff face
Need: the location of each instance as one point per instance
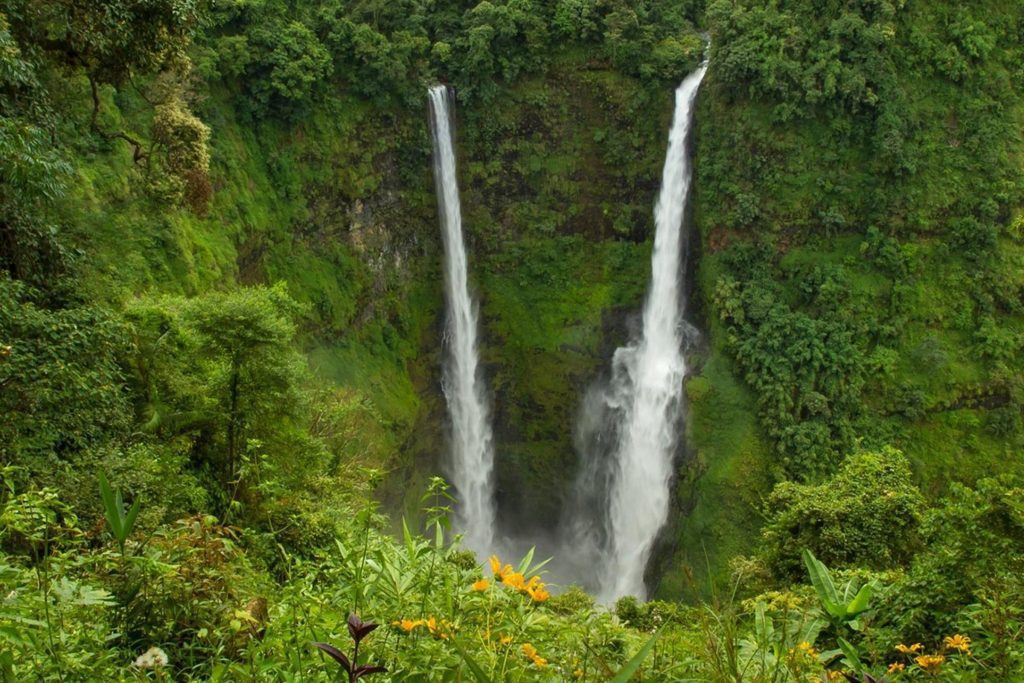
(558, 174)
(859, 219)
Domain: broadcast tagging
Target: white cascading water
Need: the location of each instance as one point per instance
(472, 454)
(629, 428)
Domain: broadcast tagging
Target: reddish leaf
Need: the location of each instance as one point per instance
(336, 654)
(359, 629)
(366, 670)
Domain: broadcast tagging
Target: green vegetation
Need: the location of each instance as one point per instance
(220, 305)
(858, 195)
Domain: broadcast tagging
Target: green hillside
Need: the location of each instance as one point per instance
(221, 290)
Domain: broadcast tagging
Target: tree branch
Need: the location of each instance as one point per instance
(139, 153)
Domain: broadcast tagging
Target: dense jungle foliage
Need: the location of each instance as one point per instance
(221, 311)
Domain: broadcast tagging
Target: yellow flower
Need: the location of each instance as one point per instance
(481, 585)
(495, 565)
(505, 640)
(537, 593)
(835, 676)
(531, 653)
(431, 624)
(804, 649)
(578, 673)
(909, 650)
(958, 642)
(513, 579)
(930, 663)
(896, 667)
(408, 625)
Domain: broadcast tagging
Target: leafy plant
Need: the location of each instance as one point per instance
(121, 522)
(357, 629)
(840, 607)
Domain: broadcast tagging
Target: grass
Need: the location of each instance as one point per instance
(721, 487)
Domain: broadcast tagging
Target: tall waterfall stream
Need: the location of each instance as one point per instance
(472, 452)
(630, 426)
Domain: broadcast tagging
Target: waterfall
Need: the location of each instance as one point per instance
(630, 425)
(472, 456)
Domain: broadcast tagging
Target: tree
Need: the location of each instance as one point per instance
(32, 171)
(185, 141)
(220, 369)
(974, 557)
(109, 39)
(296, 59)
(61, 388)
(867, 515)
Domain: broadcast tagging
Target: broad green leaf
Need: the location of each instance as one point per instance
(822, 582)
(129, 520)
(763, 625)
(524, 566)
(474, 668)
(852, 656)
(110, 509)
(410, 544)
(860, 603)
(633, 665)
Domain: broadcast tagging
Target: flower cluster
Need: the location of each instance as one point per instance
(801, 659)
(153, 658)
(439, 629)
(931, 663)
(802, 650)
(507, 576)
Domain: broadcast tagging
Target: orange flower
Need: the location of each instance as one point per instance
(495, 565)
(531, 653)
(481, 585)
(930, 663)
(958, 642)
(513, 579)
(896, 667)
(537, 593)
(909, 650)
(408, 625)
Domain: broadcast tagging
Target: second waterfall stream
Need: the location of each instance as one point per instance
(630, 425)
(471, 464)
